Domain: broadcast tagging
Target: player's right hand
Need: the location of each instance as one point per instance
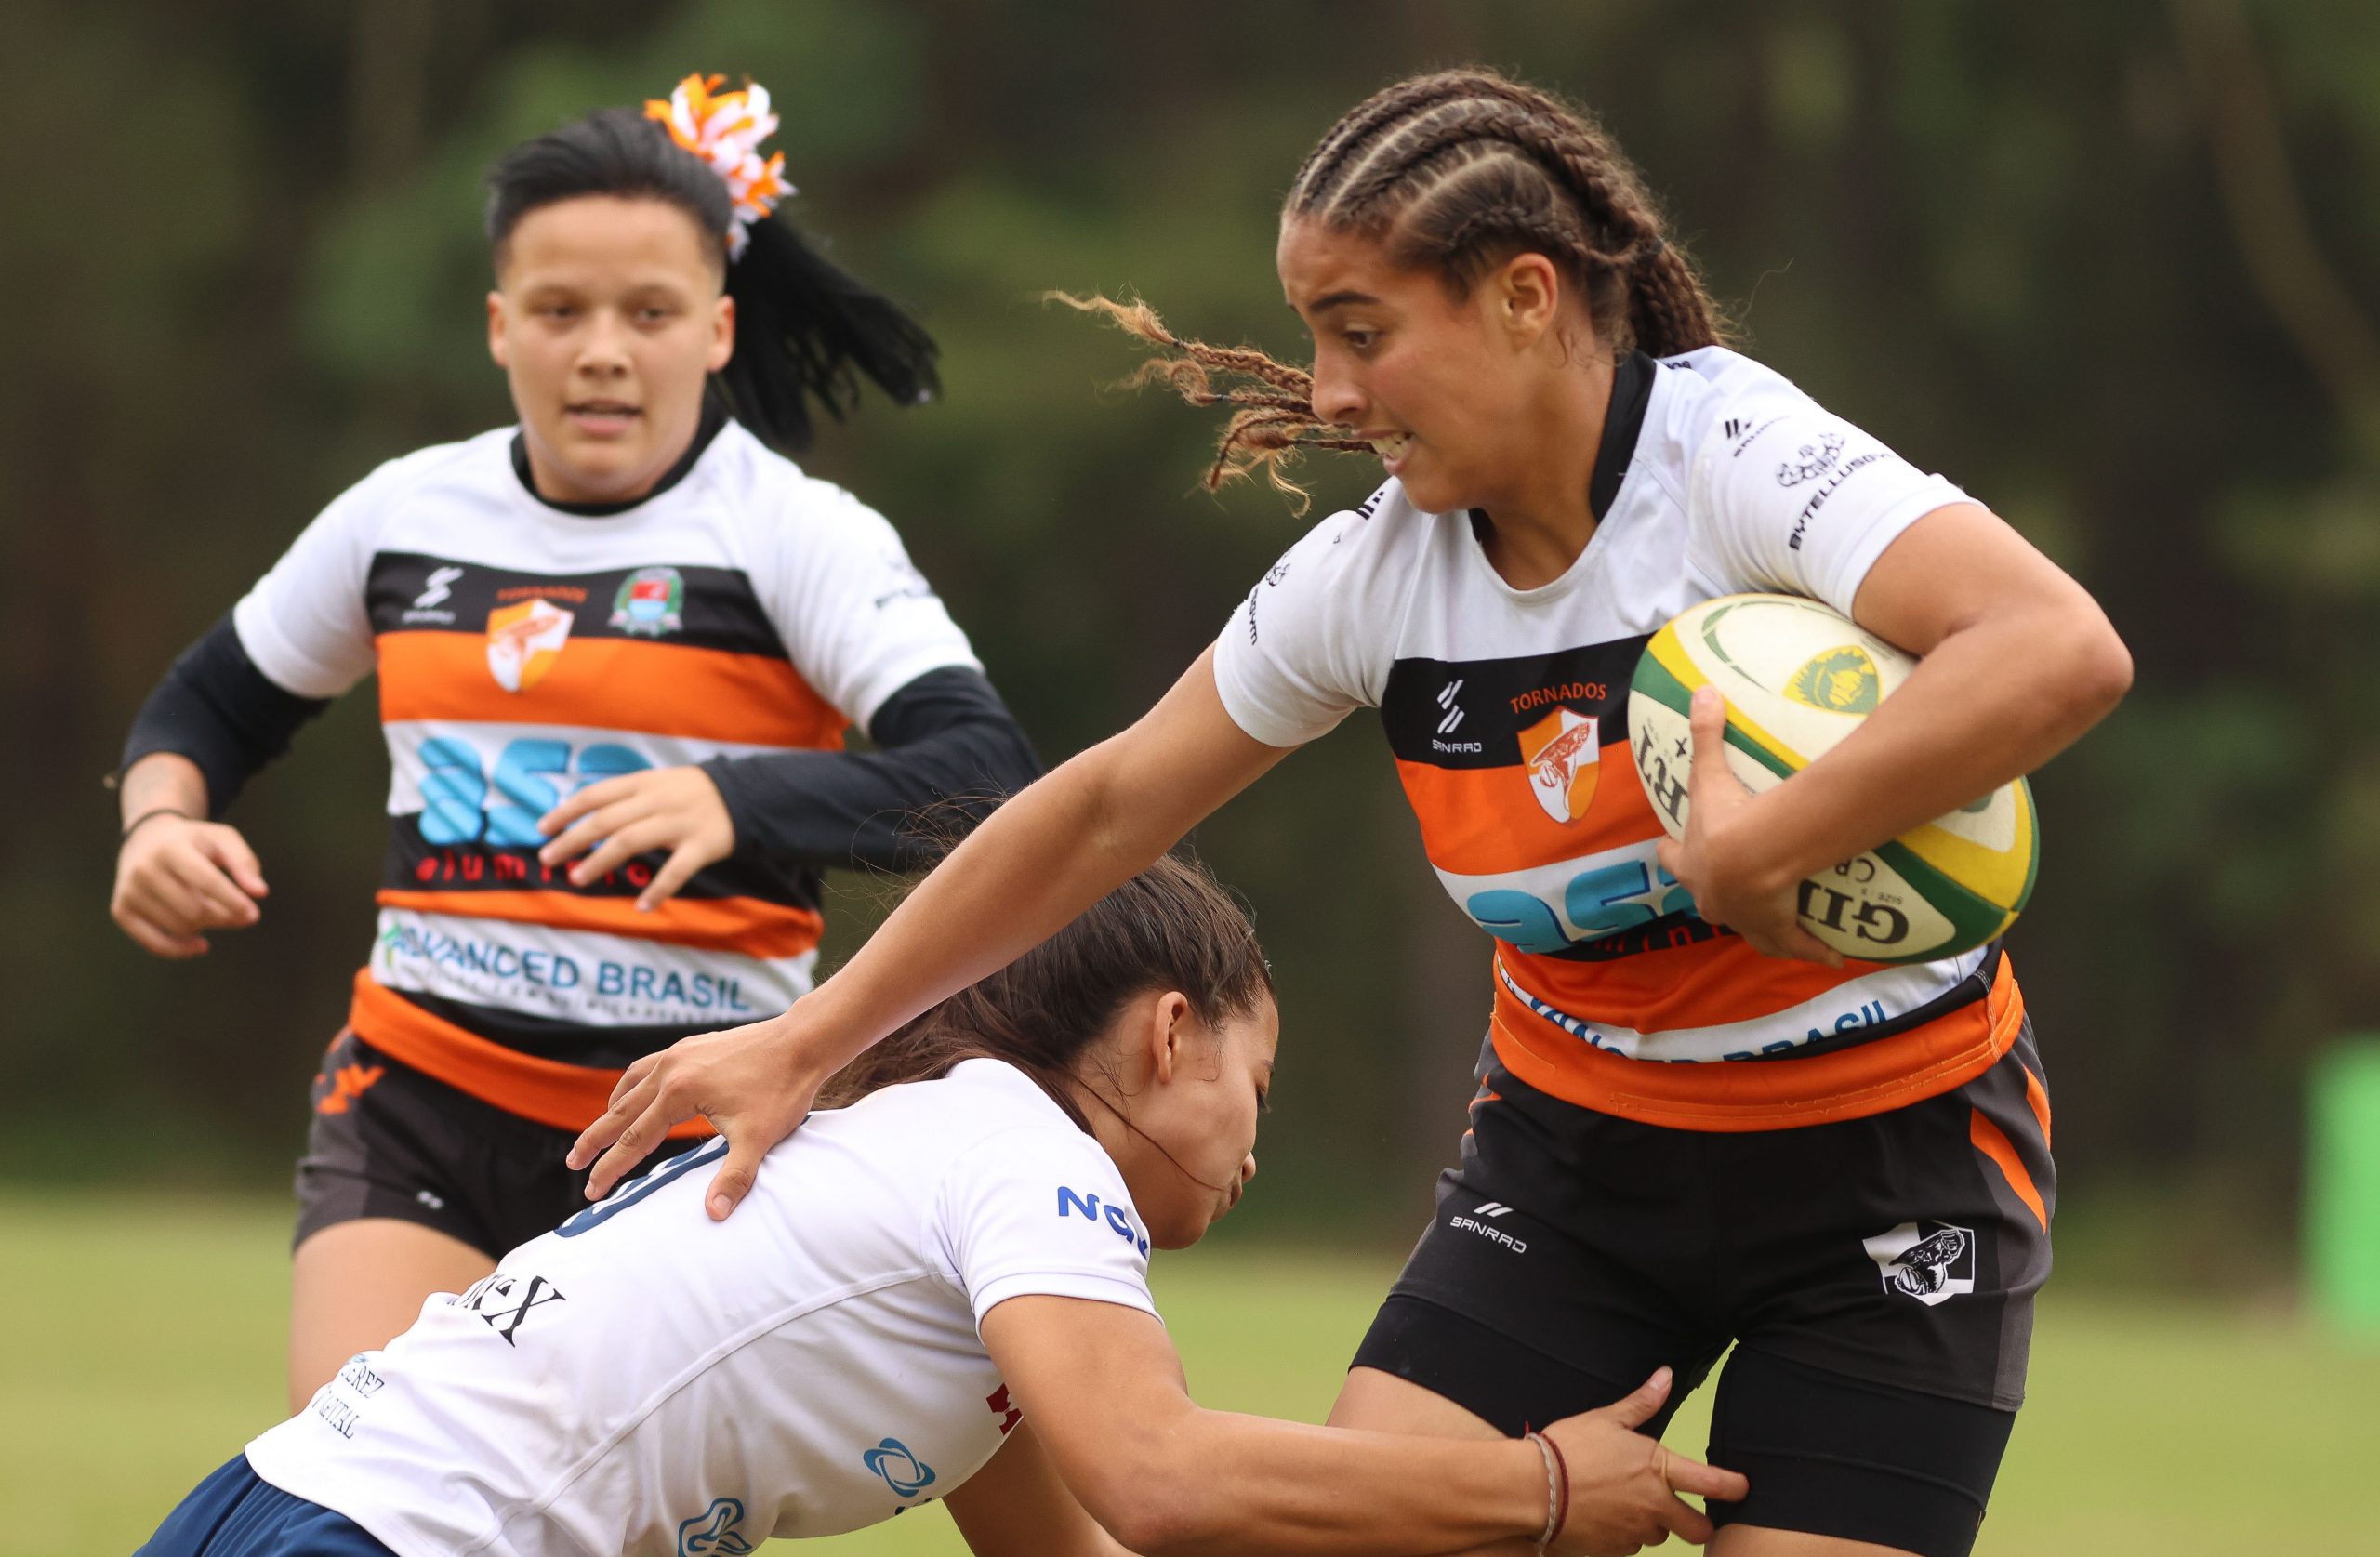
(747, 1081)
(1624, 1485)
(176, 877)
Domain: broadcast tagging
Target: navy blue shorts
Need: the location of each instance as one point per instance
(236, 1513)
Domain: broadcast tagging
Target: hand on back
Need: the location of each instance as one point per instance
(745, 1080)
(1624, 1485)
(176, 877)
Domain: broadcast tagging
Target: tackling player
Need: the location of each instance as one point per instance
(1696, 1126)
(617, 646)
(940, 1292)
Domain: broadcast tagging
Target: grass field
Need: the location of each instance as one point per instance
(144, 1346)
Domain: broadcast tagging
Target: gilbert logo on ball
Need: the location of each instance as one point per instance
(1798, 677)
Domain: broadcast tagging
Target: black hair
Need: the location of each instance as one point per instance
(804, 327)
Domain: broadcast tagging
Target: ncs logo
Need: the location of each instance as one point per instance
(1117, 1220)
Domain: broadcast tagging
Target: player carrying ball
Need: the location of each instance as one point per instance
(939, 1292)
(1696, 1126)
(617, 647)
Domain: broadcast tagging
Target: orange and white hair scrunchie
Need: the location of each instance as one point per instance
(725, 129)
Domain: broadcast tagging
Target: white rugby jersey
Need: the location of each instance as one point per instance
(1506, 711)
(525, 651)
(644, 1379)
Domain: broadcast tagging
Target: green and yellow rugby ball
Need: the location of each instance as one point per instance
(1798, 677)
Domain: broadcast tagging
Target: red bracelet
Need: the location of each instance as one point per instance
(1558, 1489)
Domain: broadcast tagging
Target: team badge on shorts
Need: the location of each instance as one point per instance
(651, 602)
(1931, 1262)
(1564, 753)
(524, 642)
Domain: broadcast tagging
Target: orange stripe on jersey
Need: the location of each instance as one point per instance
(2037, 1096)
(1703, 983)
(1763, 1094)
(567, 1097)
(1484, 821)
(752, 926)
(610, 683)
(1993, 1143)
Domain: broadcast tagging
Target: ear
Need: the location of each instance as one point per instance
(495, 345)
(1525, 298)
(722, 332)
(1169, 1032)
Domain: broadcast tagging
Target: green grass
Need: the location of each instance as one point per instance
(145, 1335)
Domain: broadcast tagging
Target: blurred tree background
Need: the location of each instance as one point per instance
(2112, 268)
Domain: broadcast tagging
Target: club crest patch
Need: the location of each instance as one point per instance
(524, 642)
(651, 602)
(1931, 1262)
(1563, 755)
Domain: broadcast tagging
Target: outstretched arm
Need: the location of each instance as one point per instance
(1104, 1387)
(1040, 860)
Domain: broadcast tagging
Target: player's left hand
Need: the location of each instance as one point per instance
(675, 810)
(1714, 861)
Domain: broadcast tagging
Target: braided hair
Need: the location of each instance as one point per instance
(1455, 172)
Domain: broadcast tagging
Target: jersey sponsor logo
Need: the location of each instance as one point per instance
(712, 1533)
(651, 602)
(506, 1302)
(461, 802)
(1481, 1219)
(436, 589)
(1562, 753)
(1009, 1415)
(1932, 1261)
(903, 1471)
(1817, 499)
(1119, 1221)
(1811, 460)
(524, 642)
(1599, 901)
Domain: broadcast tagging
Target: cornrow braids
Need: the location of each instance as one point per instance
(1461, 169)
(1273, 416)
(1456, 171)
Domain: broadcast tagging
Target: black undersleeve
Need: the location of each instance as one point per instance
(950, 747)
(217, 709)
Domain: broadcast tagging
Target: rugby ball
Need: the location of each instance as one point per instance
(1798, 677)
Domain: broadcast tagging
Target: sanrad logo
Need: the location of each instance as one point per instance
(524, 642)
(1563, 752)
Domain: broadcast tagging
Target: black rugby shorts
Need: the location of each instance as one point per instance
(388, 1141)
(1875, 1277)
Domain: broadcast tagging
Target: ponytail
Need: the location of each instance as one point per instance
(806, 330)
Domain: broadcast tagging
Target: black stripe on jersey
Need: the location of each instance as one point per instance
(1470, 713)
(409, 593)
(414, 863)
(571, 1043)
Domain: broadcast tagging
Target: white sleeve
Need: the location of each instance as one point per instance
(858, 618)
(306, 623)
(1041, 1209)
(1311, 642)
(1784, 496)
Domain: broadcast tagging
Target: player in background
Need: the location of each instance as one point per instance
(940, 1290)
(617, 646)
(1695, 1125)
